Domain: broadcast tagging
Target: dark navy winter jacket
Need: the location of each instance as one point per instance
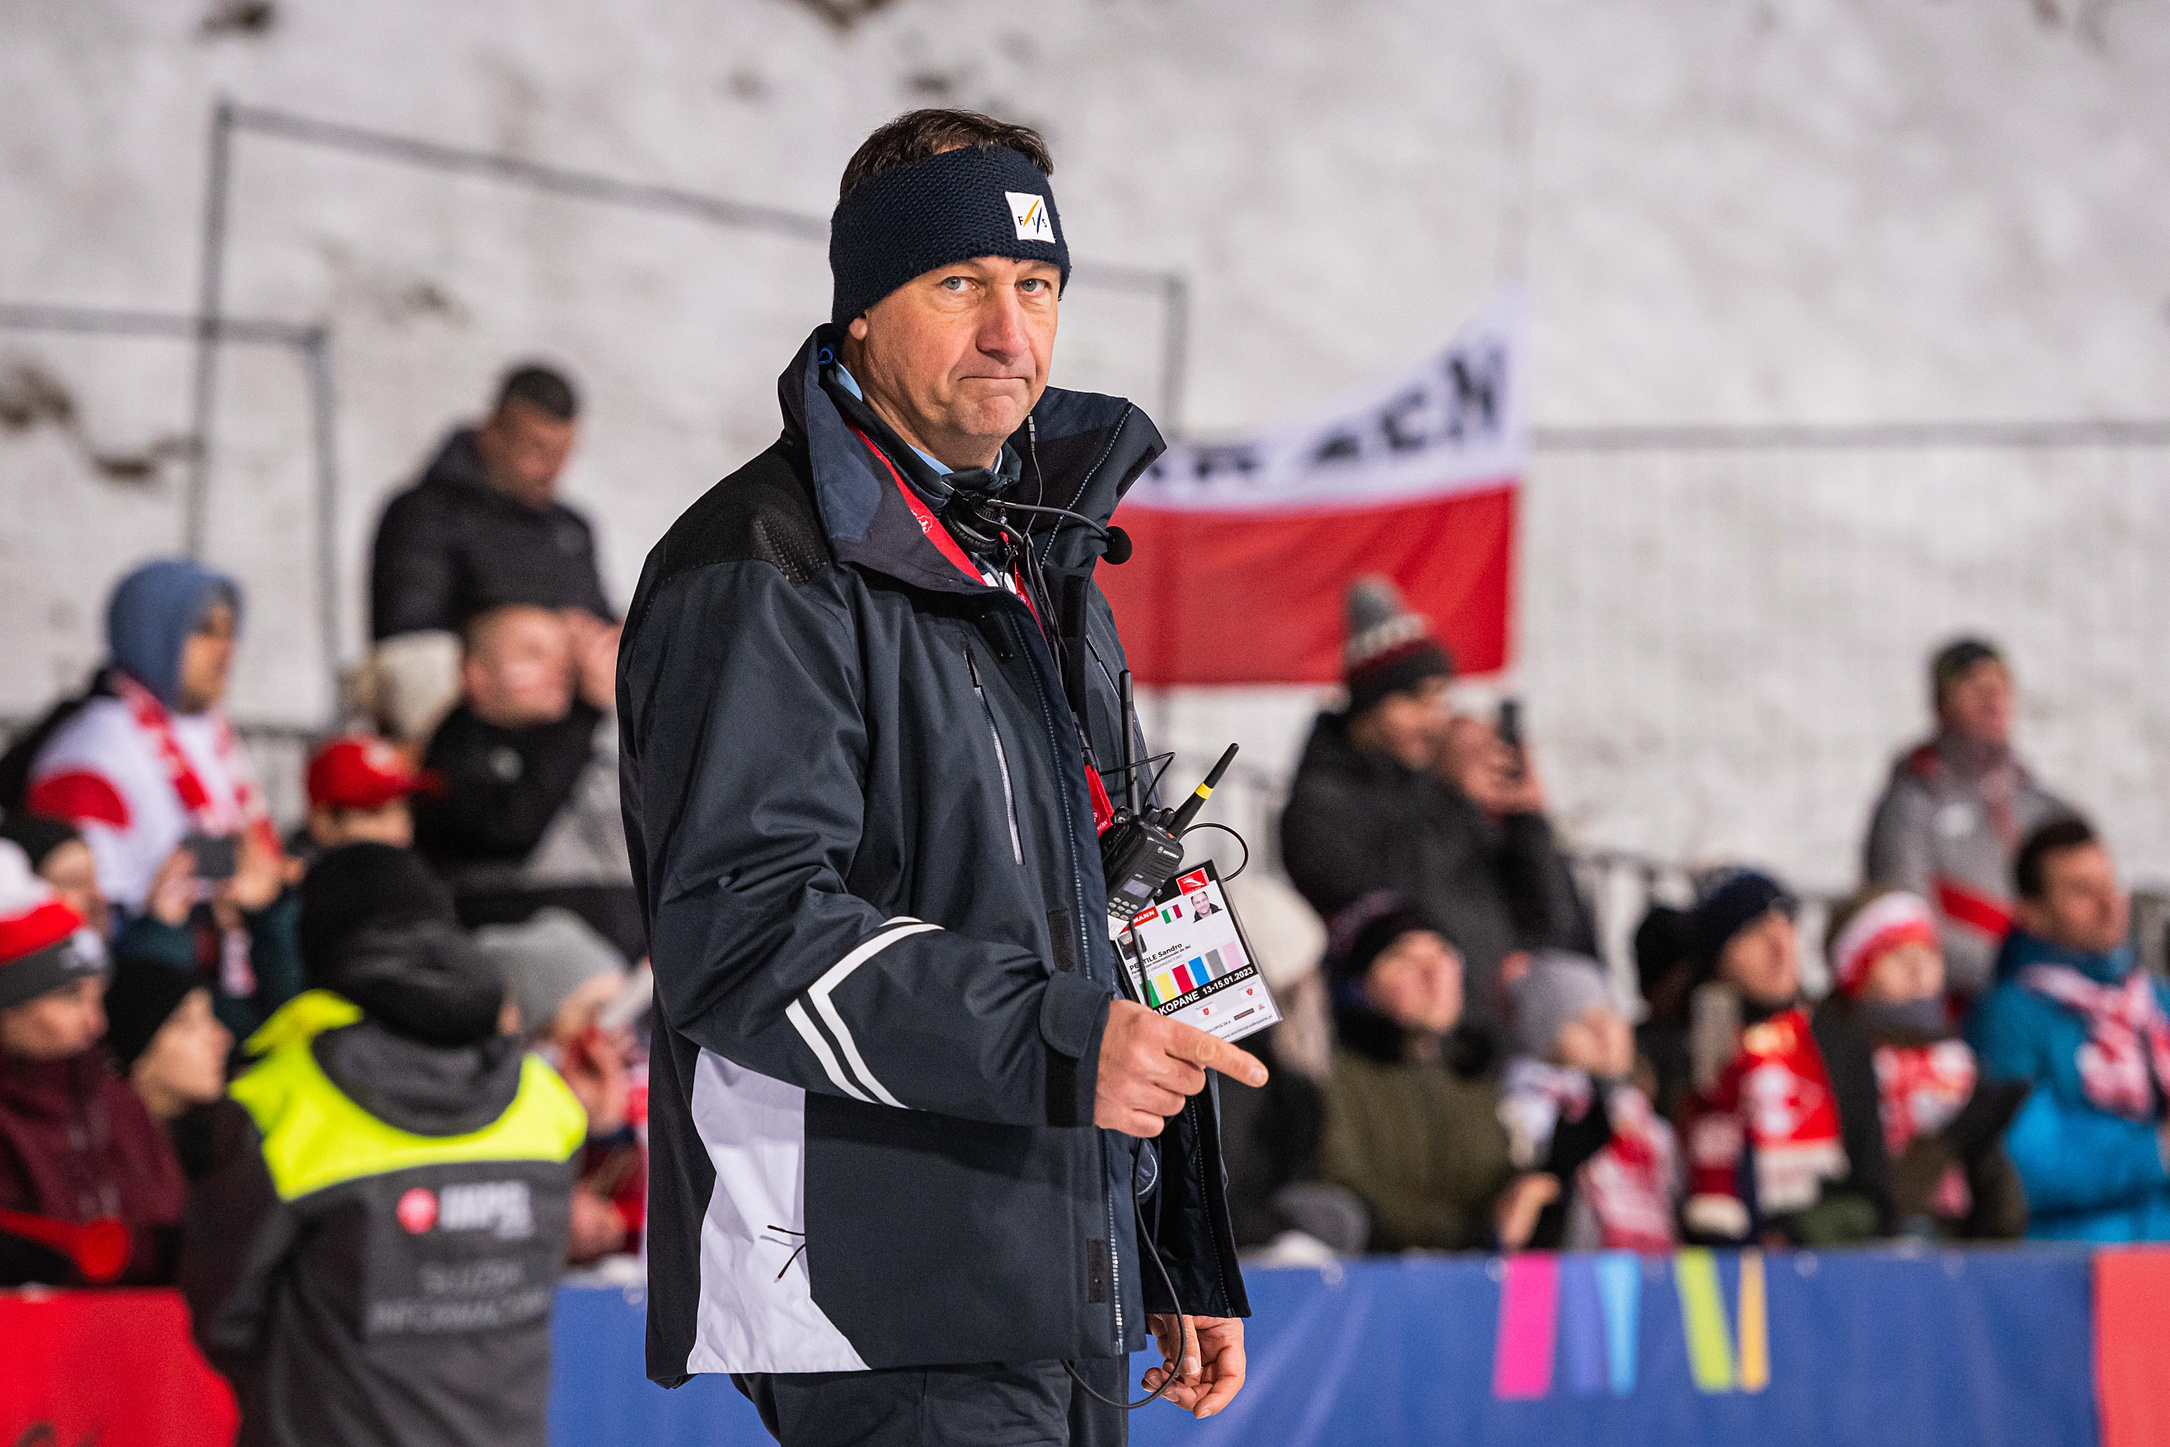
(857, 806)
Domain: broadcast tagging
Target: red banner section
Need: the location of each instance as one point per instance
(2132, 1345)
(1232, 597)
(116, 1368)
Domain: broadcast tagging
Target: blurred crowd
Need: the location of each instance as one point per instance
(365, 1091)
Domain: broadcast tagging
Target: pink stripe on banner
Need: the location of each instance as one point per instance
(1529, 1303)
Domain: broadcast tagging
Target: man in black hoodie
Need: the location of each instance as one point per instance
(483, 528)
(374, 1257)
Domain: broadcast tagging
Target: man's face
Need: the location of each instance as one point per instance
(955, 358)
(57, 1024)
(1417, 983)
(524, 449)
(2083, 907)
(519, 667)
(1763, 961)
(1977, 705)
(207, 656)
(391, 823)
(1407, 726)
(1912, 971)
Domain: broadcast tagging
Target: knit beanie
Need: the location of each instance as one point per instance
(1736, 902)
(38, 952)
(38, 835)
(972, 201)
(1868, 929)
(139, 1000)
(1558, 986)
(377, 927)
(1389, 647)
(1365, 930)
(545, 959)
(1664, 938)
(153, 611)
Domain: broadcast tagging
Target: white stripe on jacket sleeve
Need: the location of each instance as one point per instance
(796, 1014)
(823, 988)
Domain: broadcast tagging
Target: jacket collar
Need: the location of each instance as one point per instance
(1082, 451)
(2022, 949)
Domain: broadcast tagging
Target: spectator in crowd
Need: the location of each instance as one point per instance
(1665, 970)
(483, 528)
(145, 759)
(1955, 810)
(1367, 809)
(76, 1145)
(416, 1138)
(1782, 1135)
(1950, 1177)
(171, 1048)
(60, 857)
(561, 975)
(1572, 1109)
(2074, 1017)
(1413, 1131)
(525, 812)
(358, 790)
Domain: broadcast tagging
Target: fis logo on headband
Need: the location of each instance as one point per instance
(1029, 210)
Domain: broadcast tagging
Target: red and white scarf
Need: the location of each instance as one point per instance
(1776, 1097)
(2127, 1053)
(242, 807)
(1919, 1089)
(1629, 1184)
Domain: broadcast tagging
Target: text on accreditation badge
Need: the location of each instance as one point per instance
(1188, 959)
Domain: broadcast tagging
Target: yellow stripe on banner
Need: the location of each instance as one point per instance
(1754, 1323)
(1702, 1315)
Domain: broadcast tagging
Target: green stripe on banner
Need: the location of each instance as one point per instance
(1702, 1315)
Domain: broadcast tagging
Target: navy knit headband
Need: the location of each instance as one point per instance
(975, 201)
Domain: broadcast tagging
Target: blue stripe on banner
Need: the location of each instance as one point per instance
(1582, 1327)
(1620, 1287)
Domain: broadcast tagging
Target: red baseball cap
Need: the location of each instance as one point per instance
(362, 773)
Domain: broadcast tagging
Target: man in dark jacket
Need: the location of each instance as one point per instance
(856, 787)
(374, 1255)
(483, 528)
(1369, 809)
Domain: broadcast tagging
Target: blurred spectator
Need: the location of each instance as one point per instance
(75, 1144)
(483, 528)
(358, 790)
(1950, 1177)
(561, 976)
(171, 1048)
(60, 857)
(1414, 1133)
(527, 813)
(145, 760)
(1783, 1139)
(1956, 808)
(415, 1139)
(1665, 970)
(2075, 1018)
(1367, 810)
(1572, 1109)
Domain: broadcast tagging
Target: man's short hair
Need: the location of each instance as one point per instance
(918, 135)
(1955, 660)
(2030, 868)
(545, 389)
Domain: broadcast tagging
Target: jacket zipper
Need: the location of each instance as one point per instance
(1002, 760)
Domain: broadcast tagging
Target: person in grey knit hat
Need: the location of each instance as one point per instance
(555, 965)
(1556, 990)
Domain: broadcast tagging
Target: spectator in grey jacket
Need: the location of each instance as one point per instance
(1955, 810)
(1391, 794)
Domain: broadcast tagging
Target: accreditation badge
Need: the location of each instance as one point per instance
(1188, 959)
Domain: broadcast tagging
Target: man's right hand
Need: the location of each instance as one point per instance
(1149, 1065)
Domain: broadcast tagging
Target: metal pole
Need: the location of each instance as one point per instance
(1175, 351)
(210, 284)
(322, 404)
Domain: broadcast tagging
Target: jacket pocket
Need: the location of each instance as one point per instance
(1002, 759)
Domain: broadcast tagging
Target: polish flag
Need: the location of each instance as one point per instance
(1243, 550)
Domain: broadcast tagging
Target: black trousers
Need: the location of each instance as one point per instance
(1027, 1404)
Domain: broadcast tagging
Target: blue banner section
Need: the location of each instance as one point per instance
(1875, 1347)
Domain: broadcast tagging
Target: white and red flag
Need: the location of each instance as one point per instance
(1244, 549)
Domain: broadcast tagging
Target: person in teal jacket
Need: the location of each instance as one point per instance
(2072, 1016)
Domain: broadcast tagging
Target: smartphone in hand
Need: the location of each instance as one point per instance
(217, 856)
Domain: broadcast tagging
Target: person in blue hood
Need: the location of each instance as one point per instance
(2073, 1016)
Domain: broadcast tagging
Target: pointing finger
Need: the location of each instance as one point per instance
(1215, 1053)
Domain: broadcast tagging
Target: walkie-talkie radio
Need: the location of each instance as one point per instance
(1140, 850)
